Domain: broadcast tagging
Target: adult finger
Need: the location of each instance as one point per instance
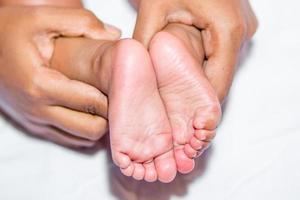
(72, 94)
(77, 123)
(222, 46)
(58, 136)
(74, 22)
(150, 20)
(252, 21)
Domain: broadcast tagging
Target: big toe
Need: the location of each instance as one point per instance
(166, 167)
(184, 164)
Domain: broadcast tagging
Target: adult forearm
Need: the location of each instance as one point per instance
(64, 3)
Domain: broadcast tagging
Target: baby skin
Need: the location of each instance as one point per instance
(192, 105)
(162, 110)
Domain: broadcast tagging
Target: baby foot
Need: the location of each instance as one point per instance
(192, 105)
(140, 132)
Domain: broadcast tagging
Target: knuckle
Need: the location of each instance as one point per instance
(237, 29)
(97, 105)
(100, 103)
(91, 109)
(234, 28)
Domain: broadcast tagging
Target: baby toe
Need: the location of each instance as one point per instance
(150, 172)
(189, 151)
(128, 171)
(121, 160)
(196, 144)
(139, 171)
(205, 135)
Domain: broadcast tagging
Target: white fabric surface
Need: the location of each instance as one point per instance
(255, 156)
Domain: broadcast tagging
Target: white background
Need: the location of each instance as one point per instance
(255, 156)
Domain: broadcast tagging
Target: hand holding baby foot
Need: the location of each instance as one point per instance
(140, 133)
(163, 112)
(140, 130)
(194, 112)
(138, 121)
(44, 101)
(225, 25)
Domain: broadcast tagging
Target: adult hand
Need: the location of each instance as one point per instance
(225, 25)
(40, 99)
